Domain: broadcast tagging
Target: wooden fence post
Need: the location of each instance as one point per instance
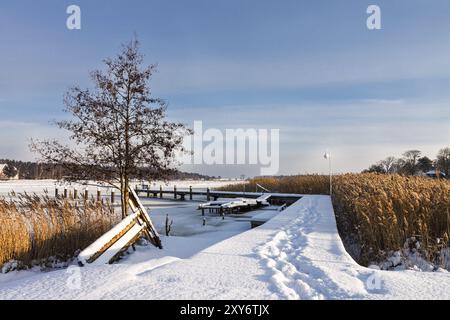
(175, 192)
(56, 192)
(112, 196)
(75, 193)
(86, 194)
(190, 192)
(99, 194)
(160, 192)
(207, 194)
(65, 192)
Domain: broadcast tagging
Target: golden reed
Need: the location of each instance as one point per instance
(34, 228)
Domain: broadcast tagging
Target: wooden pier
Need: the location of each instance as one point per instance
(214, 195)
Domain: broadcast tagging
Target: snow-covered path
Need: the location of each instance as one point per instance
(308, 260)
(296, 255)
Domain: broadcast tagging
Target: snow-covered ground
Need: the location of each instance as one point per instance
(296, 255)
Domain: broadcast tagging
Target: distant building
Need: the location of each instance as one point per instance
(3, 176)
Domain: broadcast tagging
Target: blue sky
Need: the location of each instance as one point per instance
(310, 68)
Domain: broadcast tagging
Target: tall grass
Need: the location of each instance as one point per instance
(305, 184)
(382, 213)
(377, 214)
(34, 228)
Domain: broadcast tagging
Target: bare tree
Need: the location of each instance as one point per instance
(411, 159)
(388, 165)
(400, 167)
(119, 130)
(443, 161)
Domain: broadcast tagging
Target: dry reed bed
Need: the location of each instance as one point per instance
(383, 213)
(305, 184)
(35, 228)
(378, 214)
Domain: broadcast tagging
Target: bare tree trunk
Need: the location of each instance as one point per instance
(126, 196)
(123, 197)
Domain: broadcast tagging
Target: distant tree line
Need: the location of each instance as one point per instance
(413, 162)
(39, 171)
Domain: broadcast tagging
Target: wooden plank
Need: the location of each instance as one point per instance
(112, 242)
(150, 231)
(108, 248)
(126, 247)
(119, 245)
(98, 247)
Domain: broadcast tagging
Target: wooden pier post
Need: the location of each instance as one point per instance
(160, 192)
(208, 198)
(56, 192)
(190, 192)
(112, 196)
(175, 192)
(86, 194)
(65, 193)
(99, 194)
(75, 193)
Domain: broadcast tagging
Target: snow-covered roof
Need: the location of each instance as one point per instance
(434, 172)
(2, 175)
